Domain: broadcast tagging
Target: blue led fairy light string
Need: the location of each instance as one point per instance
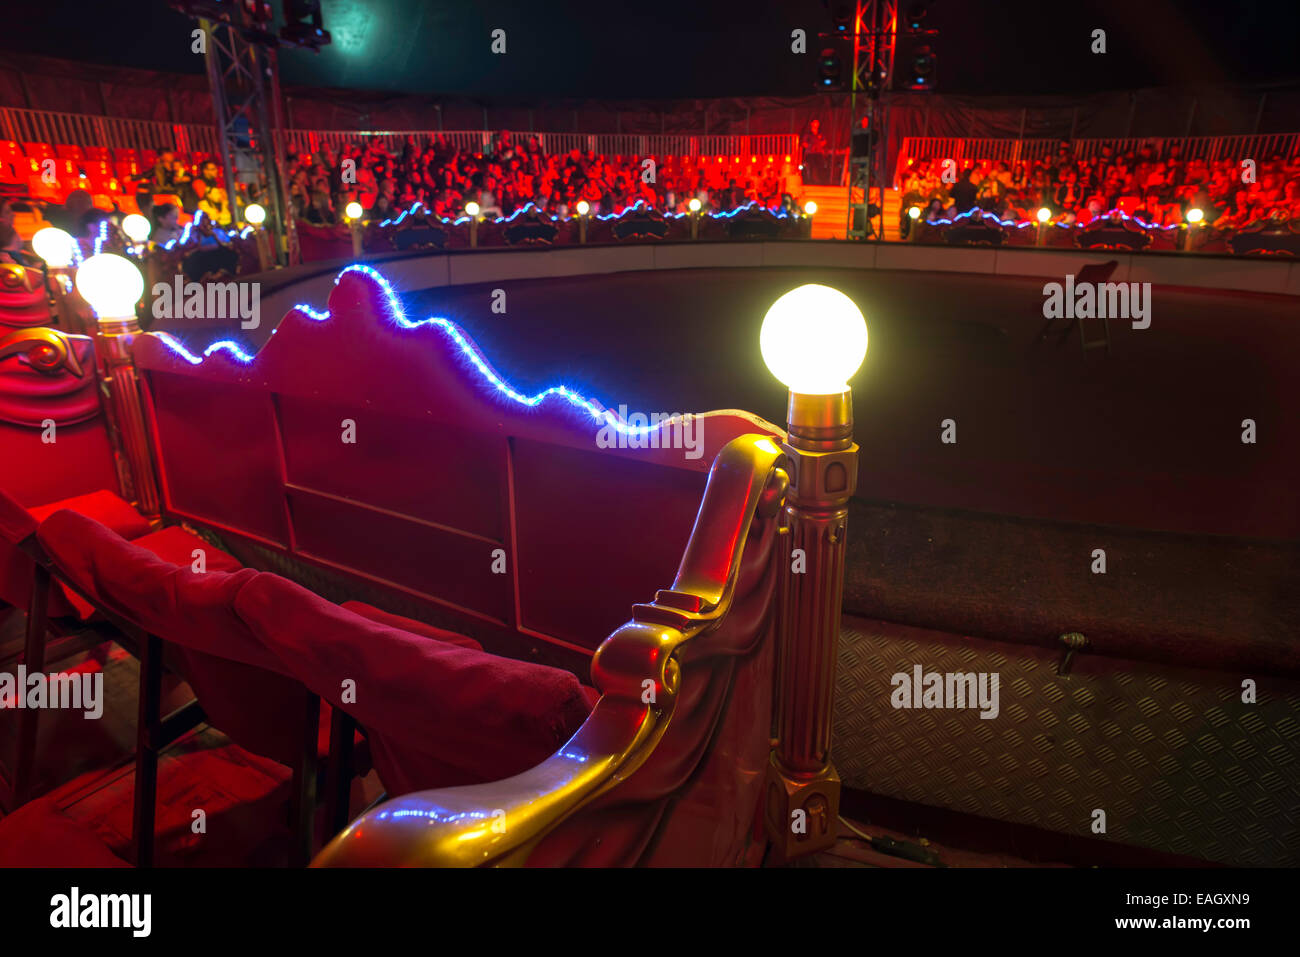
(225, 345)
(466, 346)
(775, 211)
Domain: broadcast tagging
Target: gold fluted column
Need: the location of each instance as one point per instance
(803, 788)
(125, 412)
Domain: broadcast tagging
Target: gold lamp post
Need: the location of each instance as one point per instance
(255, 216)
(472, 211)
(57, 248)
(813, 339)
(1195, 217)
(584, 209)
(112, 285)
(694, 207)
(353, 212)
(1043, 216)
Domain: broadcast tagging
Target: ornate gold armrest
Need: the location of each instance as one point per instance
(48, 350)
(499, 823)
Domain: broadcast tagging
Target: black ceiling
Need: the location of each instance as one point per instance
(674, 48)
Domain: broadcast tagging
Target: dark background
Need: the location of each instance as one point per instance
(702, 48)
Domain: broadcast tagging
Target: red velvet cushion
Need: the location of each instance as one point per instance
(243, 689)
(436, 714)
(39, 835)
(17, 522)
(438, 634)
(104, 507)
(174, 544)
(410, 624)
(164, 599)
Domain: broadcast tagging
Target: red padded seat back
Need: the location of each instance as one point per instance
(38, 465)
(242, 688)
(436, 714)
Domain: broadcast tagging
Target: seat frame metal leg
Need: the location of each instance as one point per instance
(148, 732)
(34, 659)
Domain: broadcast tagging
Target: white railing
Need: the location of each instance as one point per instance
(81, 130)
(78, 129)
(607, 144)
(1259, 147)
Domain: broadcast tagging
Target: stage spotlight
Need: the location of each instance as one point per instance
(112, 285)
(255, 215)
(54, 246)
(810, 208)
(914, 18)
(842, 17)
(923, 64)
(471, 209)
(302, 24)
(1195, 216)
(831, 70)
(1044, 214)
(136, 227)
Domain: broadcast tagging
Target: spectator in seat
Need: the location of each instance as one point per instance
(319, 212)
(1152, 211)
(964, 192)
(11, 247)
(816, 163)
(160, 178)
(166, 223)
(215, 206)
(68, 216)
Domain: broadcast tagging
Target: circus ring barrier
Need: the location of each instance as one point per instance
(912, 780)
(462, 498)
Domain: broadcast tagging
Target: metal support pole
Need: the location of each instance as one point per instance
(127, 429)
(803, 787)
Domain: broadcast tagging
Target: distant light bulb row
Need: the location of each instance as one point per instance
(1044, 214)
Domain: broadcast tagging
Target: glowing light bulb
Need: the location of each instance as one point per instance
(352, 210)
(1044, 214)
(914, 212)
(111, 284)
(471, 209)
(583, 207)
(810, 207)
(136, 227)
(255, 214)
(1195, 216)
(55, 246)
(813, 339)
(694, 205)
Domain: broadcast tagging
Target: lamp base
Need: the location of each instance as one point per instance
(801, 814)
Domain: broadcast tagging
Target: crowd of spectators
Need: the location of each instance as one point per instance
(515, 171)
(1156, 186)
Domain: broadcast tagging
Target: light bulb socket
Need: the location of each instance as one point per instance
(118, 325)
(820, 423)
